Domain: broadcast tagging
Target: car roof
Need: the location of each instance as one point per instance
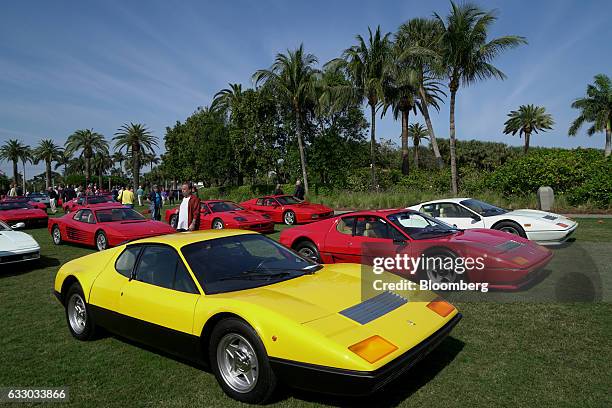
(180, 239)
(381, 212)
(446, 200)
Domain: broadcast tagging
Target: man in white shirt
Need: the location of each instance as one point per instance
(189, 211)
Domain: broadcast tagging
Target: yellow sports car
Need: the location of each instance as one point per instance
(254, 311)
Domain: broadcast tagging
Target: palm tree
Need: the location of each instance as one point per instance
(292, 77)
(419, 38)
(63, 159)
(119, 157)
(101, 163)
(526, 120)
(11, 151)
(401, 92)
(365, 64)
(151, 159)
(226, 99)
(88, 142)
(48, 151)
(417, 133)
(596, 108)
(137, 140)
(466, 57)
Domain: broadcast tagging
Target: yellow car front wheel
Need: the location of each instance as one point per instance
(240, 363)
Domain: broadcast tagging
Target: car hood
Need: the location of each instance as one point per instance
(13, 240)
(139, 227)
(330, 290)
(22, 213)
(251, 216)
(543, 217)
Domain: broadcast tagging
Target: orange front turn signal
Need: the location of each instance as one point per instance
(373, 348)
(441, 307)
(519, 260)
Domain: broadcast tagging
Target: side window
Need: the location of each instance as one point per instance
(87, 217)
(372, 227)
(345, 225)
(161, 266)
(451, 210)
(259, 201)
(431, 210)
(77, 216)
(269, 202)
(126, 261)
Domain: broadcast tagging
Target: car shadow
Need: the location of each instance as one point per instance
(395, 392)
(389, 396)
(22, 268)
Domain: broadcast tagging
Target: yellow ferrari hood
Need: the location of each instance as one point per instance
(309, 297)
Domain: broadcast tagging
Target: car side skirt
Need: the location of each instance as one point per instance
(337, 381)
(177, 343)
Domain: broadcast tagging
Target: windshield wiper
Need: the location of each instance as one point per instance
(249, 275)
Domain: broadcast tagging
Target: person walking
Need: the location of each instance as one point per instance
(299, 190)
(155, 199)
(13, 191)
(52, 200)
(127, 197)
(139, 194)
(278, 190)
(189, 211)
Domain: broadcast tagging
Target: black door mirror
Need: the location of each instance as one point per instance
(476, 217)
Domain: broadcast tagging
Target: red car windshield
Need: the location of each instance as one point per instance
(284, 200)
(224, 206)
(13, 205)
(420, 226)
(98, 199)
(118, 214)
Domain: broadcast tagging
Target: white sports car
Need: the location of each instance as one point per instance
(466, 213)
(16, 246)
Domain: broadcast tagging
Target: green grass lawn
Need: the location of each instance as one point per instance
(501, 354)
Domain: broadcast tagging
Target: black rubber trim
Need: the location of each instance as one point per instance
(337, 381)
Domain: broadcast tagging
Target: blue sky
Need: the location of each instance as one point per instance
(66, 65)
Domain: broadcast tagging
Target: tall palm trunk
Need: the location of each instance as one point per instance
(87, 169)
(298, 129)
(608, 148)
(15, 173)
(416, 153)
(136, 165)
(432, 136)
(526, 147)
(48, 172)
(373, 146)
(453, 158)
(24, 178)
(405, 160)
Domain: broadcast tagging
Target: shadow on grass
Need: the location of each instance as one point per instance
(21, 268)
(389, 396)
(395, 392)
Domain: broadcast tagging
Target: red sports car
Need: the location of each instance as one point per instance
(508, 261)
(91, 201)
(288, 209)
(24, 199)
(104, 227)
(14, 211)
(219, 214)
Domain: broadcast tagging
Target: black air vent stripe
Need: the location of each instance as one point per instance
(374, 308)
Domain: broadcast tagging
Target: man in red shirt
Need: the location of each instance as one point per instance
(189, 211)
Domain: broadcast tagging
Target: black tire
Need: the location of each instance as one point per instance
(56, 235)
(173, 220)
(431, 270)
(217, 224)
(265, 381)
(75, 296)
(101, 241)
(289, 217)
(308, 250)
(510, 227)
